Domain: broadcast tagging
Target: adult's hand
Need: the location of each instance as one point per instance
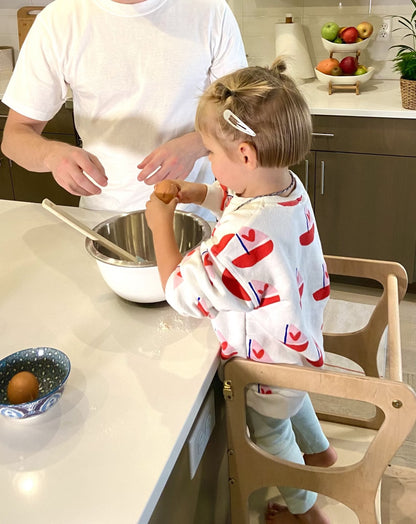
(70, 166)
(174, 159)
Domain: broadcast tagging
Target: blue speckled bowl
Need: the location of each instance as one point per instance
(50, 366)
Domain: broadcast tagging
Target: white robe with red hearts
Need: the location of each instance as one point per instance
(262, 281)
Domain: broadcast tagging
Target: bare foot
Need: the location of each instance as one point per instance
(324, 459)
(277, 514)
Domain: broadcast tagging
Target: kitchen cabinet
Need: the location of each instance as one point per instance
(18, 183)
(6, 187)
(361, 177)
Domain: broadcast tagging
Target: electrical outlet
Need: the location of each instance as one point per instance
(201, 432)
(384, 33)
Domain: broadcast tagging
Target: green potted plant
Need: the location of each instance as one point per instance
(405, 59)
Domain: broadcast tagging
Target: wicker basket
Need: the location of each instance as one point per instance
(408, 91)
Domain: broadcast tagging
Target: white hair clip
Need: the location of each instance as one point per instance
(238, 124)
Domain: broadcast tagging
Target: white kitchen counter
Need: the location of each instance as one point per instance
(377, 98)
(139, 374)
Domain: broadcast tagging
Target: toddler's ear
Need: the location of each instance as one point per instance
(248, 155)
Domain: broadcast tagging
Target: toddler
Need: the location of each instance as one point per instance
(261, 277)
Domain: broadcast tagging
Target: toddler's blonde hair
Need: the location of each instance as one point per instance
(268, 102)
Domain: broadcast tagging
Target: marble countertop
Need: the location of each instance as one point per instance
(139, 376)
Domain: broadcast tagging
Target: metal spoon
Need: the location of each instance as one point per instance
(86, 231)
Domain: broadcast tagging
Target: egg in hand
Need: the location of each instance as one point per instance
(166, 190)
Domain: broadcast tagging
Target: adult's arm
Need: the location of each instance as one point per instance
(24, 144)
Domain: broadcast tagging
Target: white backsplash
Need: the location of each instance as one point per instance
(257, 19)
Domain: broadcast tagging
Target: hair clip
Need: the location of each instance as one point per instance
(238, 124)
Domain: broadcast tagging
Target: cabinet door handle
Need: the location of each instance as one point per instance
(3, 116)
(322, 177)
(306, 174)
(324, 134)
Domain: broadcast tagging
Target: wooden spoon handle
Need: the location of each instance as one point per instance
(86, 231)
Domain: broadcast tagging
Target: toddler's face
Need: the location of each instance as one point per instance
(225, 165)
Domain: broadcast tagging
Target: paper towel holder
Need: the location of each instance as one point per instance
(290, 43)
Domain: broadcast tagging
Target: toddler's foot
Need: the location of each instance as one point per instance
(324, 459)
(277, 514)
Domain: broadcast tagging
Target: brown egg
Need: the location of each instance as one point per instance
(166, 190)
(23, 387)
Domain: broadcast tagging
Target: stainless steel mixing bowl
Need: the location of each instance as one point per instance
(139, 282)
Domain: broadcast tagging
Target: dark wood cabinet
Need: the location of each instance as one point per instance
(18, 183)
(361, 177)
(6, 187)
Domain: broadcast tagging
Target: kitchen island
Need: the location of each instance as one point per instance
(139, 375)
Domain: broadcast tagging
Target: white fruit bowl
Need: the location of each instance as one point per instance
(345, 48)
(345, 79)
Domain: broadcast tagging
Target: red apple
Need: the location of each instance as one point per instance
(349, 35)
(349, 65)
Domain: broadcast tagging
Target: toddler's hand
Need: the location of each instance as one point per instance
(191, 192)
(159, 216)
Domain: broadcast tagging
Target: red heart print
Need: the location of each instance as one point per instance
(258, 354)
(295, 335)
(250, 236)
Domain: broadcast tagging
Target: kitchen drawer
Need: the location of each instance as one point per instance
(61, 123)
(386, 136)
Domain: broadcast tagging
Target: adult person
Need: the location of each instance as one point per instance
(136, 69)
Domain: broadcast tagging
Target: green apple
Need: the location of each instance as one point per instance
(361, 70)
(329, 31)
(338, 40)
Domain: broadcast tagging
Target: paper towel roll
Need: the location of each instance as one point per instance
(290, 43)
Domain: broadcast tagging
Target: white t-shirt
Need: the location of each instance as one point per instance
(262, 280)
(136, 72)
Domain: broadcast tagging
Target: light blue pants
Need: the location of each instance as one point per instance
(289, 439)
